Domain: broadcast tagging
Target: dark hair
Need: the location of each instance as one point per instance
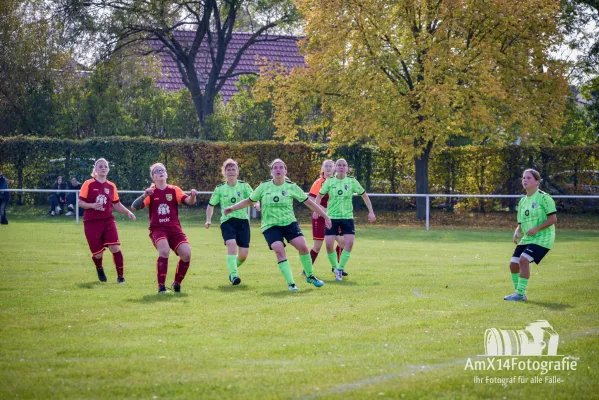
(534, 173)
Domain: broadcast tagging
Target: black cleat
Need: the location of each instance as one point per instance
(343, 273)
(235, 281)
(176, 287)
(101, 274)
(161, 289)
(120, 279)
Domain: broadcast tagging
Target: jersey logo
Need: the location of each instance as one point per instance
(284, 193)
(346, 187)
(95, 190)
(233, 200)
(163, 209)
(102, 200)
(340, 192)
(275, 199)
(238, 194)
(169, 197)
(106, 190)
(534, 205)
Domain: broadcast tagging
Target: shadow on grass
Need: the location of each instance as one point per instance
(228, 288)
(159, 298)
(552, 306)
(342, 283)
(89, 285)
(285, 293)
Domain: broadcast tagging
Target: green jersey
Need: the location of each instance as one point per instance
(226, 196)
(340, 193)
(276, 202)
(533, 211)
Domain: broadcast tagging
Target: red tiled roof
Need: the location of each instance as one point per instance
(278, 49)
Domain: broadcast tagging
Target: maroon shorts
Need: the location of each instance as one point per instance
(100, 233)
(174, 236)
(318, 228)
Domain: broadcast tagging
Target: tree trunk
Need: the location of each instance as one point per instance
(421, 164)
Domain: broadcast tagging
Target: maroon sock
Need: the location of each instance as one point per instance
(182, 268)
(313, 255)
(118, 263)
(97, 262)
(161, 270)
(338, 250)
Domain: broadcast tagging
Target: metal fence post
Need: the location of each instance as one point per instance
(428, 212)
(77, 209)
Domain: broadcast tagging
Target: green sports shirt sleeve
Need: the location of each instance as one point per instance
(215, 198)
(256, 195)
(297, 193)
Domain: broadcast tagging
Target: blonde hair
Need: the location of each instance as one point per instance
(278, 160)
(343, 159)
(535, 174)
(228, 162)
(156, 165)
(96, 163)
(322, 166)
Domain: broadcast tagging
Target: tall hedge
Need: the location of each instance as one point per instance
(34, 163)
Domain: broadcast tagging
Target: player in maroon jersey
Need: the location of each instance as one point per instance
(163, 202)
(98, 196)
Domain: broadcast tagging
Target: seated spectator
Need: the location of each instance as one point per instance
(4, 197)
(72, 198)
(58, 199)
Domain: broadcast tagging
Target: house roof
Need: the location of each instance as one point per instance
(278, 49)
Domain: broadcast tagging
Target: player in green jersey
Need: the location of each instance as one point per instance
(276, 196)
(536, 217)
(341, 189)
(235, 227)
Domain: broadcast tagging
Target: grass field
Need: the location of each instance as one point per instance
(402, 325)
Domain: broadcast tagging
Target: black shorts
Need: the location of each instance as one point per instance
(531, 251)
(277, 233)
(341, 227)
(238, 229)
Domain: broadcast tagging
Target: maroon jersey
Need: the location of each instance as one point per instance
(164, 206)
(105, 194)
(315, 189)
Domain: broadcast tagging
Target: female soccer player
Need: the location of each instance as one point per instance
(537, 217)
(165, 230)
(98, 196)
(327, 170)
(278, 220)
(341, 189)
(234, 227)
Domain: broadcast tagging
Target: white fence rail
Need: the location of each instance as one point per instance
(398, 195)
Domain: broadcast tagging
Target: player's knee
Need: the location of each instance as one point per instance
(164, 253)
(98, 256)
(185, 255)
(515, 260)
(114, 248)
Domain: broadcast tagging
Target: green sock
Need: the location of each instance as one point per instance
(306, 261)
(239, 262)
(333, 259)
(231, 265)
(286, 271)
(344, 259)
(522, 284)
(515, 278)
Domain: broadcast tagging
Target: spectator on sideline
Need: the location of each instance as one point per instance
(58, 199)
(4, 198)
(72, 198)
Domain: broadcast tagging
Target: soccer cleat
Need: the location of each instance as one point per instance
(293, 288)
(315, 281)
(120, 279)
(57, 209)
(176, 287)
(515, 297)
(235, 281)
(342, 272)
(338, 274)
(70, 207)
(162, 289)
(101, 274)
(52, 213)
(70, 213)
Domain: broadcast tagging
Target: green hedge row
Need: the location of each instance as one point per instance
(35, 162)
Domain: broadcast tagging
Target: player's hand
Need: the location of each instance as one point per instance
(228, 211)
(532, 231)
(149, 191)
(257, 206)
(132, 216)
(516, 237)
(97, 206)
(315, 216)
(371, 217)
(328, 223)
(207, 224)
(193, 192)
